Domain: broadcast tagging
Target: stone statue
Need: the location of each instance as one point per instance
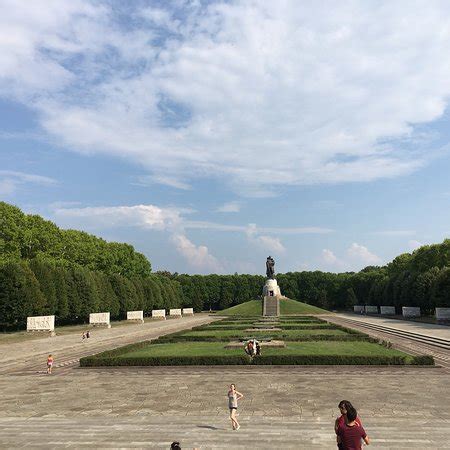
(270, 268)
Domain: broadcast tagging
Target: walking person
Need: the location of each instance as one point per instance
(233, 397)
(83, 336)
(49, 364)
(344, 406)
(88, 334)
(351, 434)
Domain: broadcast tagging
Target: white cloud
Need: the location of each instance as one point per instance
(413, 244)
(143, 216)
(161, 179)
(198, 257)
(267, 243)
(11, 180)
(329, 257)
(230, 207)
(258, 94)
(360, 254)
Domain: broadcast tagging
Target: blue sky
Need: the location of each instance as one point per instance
(212, 134)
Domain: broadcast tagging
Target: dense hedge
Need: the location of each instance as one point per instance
(305, 338)
(93, 361)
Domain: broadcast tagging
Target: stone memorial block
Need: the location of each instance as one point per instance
(175, 313)
(410, 311)
(41, 323)
(159, 314)
(271, 289)
(358, 308)
(99, 319)
(188, 311)
(371, 309)
(387, 310)
(135, 315)
(443, 314)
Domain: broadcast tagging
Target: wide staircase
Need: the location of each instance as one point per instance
(271, 306)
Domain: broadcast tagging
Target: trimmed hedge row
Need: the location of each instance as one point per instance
(284, 327)
(96, 361)
(169, 339)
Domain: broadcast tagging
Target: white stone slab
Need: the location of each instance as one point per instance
(159, 314)
(371, 309)
(175, 312)
(41, 323)
(188, 311)
(388, 310)
(443, 313)
(410, 311)
(135, 315)
(99, 319)
(358, 308)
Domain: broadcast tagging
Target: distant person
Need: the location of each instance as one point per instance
(83, 336)
(233, 397)
(88, 334)
(49, 364)
(249, 348)
(258, 349)
(175, 446)
(351, 434)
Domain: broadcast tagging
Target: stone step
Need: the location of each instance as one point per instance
(214, 432)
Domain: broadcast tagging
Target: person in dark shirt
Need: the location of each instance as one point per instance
(351, 434)
(341, 420)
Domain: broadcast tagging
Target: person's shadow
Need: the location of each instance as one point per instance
(209, 427)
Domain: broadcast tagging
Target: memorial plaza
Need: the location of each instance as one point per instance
(150, 407)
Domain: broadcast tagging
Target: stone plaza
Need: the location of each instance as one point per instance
(283, 406)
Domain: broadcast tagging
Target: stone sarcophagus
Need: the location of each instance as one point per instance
(175, 313)
(387, 310)
(41, 323)
(137, 316)
(159, 314)
(100, 319)
(410, 311)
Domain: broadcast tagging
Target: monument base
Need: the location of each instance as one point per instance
(272, 295)
(271, 288)
(271, 306)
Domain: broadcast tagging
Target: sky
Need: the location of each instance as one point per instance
(210, 135)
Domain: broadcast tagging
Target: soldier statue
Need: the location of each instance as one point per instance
(270, 268)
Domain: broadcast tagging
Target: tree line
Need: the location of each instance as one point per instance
(45, 270)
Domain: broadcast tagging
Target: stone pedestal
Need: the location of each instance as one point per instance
(272, 295)
(271, 289)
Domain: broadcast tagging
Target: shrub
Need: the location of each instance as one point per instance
(96, 361)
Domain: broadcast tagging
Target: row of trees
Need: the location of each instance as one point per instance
(71, 292)
(46, 270)
(25, 236)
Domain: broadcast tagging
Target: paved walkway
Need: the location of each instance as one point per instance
(31, 355)
(415, 347)
(283, 407)
(149, 407)
(425, 329)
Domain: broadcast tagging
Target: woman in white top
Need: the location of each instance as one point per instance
(233, 397)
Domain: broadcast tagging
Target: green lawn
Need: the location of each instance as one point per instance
(305, 343)
(274, 334)
(292, 348)
(287, 306)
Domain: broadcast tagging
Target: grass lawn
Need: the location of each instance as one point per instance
(298, 326)
(274, 334)
(328, 348)
(287, 306)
